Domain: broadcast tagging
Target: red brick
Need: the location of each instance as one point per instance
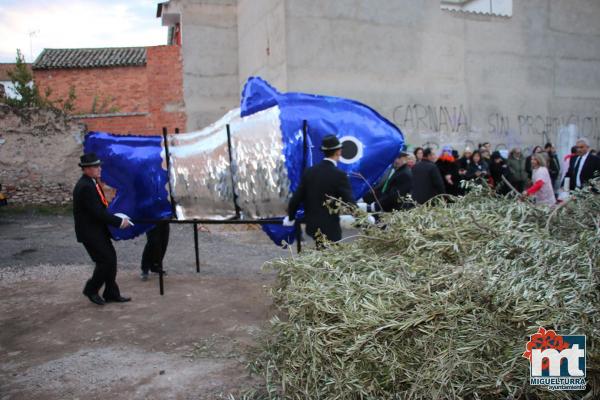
(144, 89)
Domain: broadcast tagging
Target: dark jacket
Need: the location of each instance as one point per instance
(588, 171)
(399, 185)
(375, 192)
(517, 168)
(463, 163)
(499, 170)
(91, 217)
(482, 167)
(317, 183)
(427, 181)
(496, 171)
(553, 166)
(448, 167)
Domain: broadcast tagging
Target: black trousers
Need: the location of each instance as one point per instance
(157, 241)
(104, 255)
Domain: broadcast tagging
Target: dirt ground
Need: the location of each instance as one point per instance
(190, 343)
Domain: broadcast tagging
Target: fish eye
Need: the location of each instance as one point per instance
(352, 149)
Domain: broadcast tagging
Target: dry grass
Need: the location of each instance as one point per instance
(436, 303)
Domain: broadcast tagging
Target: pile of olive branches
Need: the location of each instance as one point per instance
(437, 303)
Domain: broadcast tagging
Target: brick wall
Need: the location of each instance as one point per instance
(136, 99)
(123, 124)
(165, 92)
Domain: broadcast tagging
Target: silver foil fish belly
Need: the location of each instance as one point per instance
(204, 181)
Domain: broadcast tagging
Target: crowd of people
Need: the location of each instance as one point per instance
(418, 177)
(540, 175)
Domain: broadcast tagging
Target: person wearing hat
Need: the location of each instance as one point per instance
(387, 194)
(91, 229)
(318, 183)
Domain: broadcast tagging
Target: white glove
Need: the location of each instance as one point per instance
(372, 207)
(362, 206)
(371, 220)
(346, 221)
(287, 222)
(125, 221)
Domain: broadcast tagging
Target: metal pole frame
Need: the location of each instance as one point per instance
(298, 224)
(238, 210)
(161, 271)
(195, 223)
(237, 221)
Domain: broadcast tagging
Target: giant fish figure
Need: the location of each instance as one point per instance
(250, 170)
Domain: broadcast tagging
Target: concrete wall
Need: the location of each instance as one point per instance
(443, 77)
(454, 78)
(262, 41)
(210, 58)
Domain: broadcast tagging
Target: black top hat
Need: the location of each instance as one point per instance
(330, 142)
(89, 160)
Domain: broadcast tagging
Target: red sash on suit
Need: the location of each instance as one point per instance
(101, 194)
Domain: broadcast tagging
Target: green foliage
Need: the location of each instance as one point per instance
(436, 303)
(67, 105)
(28, 93)
(103, 107)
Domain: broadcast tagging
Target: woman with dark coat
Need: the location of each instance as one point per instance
(553, 163)
(477, 169)
(516, 164)
(463, 166)
(448, 167)
(498, 169)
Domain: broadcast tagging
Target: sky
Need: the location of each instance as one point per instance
(32, 25)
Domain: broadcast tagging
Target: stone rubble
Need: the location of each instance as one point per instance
(39, 152)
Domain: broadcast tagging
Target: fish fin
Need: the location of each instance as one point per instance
(257, 95)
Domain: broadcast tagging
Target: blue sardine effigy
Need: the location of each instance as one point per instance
(268, 152)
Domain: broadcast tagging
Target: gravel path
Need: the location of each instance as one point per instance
(188, 344)
(30, 240)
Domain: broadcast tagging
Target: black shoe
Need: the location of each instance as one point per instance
(120, 299)
(94, 298)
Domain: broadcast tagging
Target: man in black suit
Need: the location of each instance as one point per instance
(91, 229)
(318, 183)
(583, 167)
(388, 193)
(427, 178)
